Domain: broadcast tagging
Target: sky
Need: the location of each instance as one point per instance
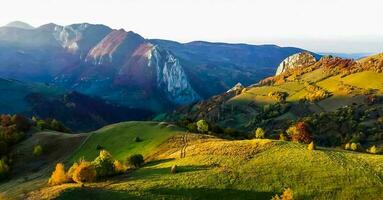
(346, 26)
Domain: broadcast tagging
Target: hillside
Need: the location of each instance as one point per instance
(325, 94)
(213, 168)
(77, 111)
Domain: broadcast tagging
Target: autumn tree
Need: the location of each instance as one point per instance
(85, 172)
(299, 132)
(58, 176)
(259, 133)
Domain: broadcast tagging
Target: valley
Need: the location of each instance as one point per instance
(88, 111)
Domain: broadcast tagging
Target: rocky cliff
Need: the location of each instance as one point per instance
(302, 59)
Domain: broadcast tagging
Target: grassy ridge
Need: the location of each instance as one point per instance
(118, 139)
(248, 169)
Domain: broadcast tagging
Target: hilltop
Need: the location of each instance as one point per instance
(209, 168)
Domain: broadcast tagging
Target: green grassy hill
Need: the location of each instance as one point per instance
(249, 169)
(119, 139)
(209, 168)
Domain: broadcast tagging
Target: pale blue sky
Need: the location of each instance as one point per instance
(318, 25)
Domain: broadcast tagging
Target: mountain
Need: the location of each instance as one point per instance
(126, 69)
(341, 100)
(77, 111)
(19, 24)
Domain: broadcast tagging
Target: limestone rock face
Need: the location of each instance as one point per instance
(302, 59)
(237, 87)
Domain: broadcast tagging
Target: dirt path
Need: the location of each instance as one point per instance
(184, 140)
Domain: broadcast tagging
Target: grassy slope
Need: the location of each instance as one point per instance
(249, 169)
(31, 172)
(118, 139)
(296, 90)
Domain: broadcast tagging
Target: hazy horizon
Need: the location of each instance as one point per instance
(337, 26)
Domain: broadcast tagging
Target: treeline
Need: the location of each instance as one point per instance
(15, 128)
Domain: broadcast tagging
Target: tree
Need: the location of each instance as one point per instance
(136, 160)
(37, 150)
(311, 146)
(202, 126)
(259, 133)
(119, 167)
(58, 176)
(104, 164)
(71, 170)
(85, 172)
(299, 133)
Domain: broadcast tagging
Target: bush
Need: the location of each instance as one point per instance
(137, 139)
(4, 168)
(299, 133)
(58, 176)
(373, 150)
(85, 172)
(282, 137)
(173, 170)
(286, 195)
(119, 167)
(192, 127)
(202, 126)
(259, 133)
(311, 146)
(347, 146)
(136, 160)
(104, 164)
(354, 146)
(71, 170)
(37, 150)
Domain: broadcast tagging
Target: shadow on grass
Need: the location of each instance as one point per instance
(163, 193)
(147, 173)
(157, 162)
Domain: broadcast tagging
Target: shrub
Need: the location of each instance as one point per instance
(311, 146)
(354, 146)
(282, 137)
(85, 172)
(373, 150)
(136, 160)
(71, 170)
(192, 127)
(104, 164)
(259, 133)
(58, 176)
(119, 168)
(299, 133)
(202, 126)
(37, 150)
(137, 139)
(286, 195)
(347, 146)
(99, 147)
(173, 170)
(4, 168)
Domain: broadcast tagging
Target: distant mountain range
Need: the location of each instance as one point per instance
(123, 68)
